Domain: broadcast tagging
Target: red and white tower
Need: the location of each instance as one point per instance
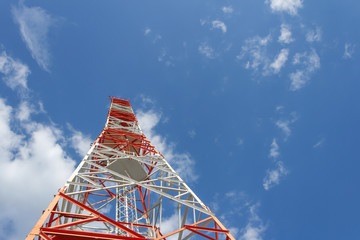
(121, 189)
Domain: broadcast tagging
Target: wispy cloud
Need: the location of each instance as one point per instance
(220, 25)
(274, 150)
(243, 207)
(147, 31)
(279, 108)
(239, 141)
(214, 24)
(15, 72)
(349, 50)
(273, 176)
(319, 143)
(314, 35)
(309, 62)
(170, 224)
(280, 60)
(289, 6)
(227, 9)
(79, 141)
(181, 162)
(192, 133)
(165, 58)
(35, 23)
(284, 124)
(285, 34)
(254, 51)
(206, 50)
(255, 228)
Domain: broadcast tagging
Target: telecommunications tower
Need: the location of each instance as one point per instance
(125, 189)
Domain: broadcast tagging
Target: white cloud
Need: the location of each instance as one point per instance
(147, 31)
(206, 50)
(274, 150)
(319, 143)
(170, 224)
(279, 108)
(157, 38)
(34, 165)
(34, 23)
(162, 55)
(298, 58)
(220, 25)
(239, 141)
(289, 6)
(298, 80)
(255, 228)
(349, 50)
(15, 72)
(255, 53)
(238, 198)
(192, 133)
(309, 62)
(33, 159)
(181, 162)
(79, 141)
(273, 176)
(24, 111)
(285, 34)
(241, 207)
(252, 233)
(314, 35)
(284, 124)
(9, 140)
(280, 60)
(227, 9)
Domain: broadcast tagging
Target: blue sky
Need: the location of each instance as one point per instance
(253, 102)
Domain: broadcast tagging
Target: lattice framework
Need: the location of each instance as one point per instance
(120, 189)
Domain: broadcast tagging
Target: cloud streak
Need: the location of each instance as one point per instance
(220, 25)
(254, 51)
(349, 50)
(34, 24)
(274, 175)
(255, 228)
(274, 150)
(15, 72)
(284, 125)
(314, 35)
(289, 6)
(206, 50)
(227, 9)
(280, 60)
(285, 34)
(308, 63)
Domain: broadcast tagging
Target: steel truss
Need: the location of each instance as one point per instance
(121, 189)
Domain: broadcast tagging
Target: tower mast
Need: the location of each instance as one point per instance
(121, 190)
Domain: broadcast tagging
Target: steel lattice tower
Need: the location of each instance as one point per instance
(121, 189)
